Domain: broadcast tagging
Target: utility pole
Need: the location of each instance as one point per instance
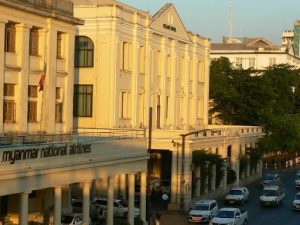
(230, 21)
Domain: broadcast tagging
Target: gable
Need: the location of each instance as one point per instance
(260, 43)
(168, 22)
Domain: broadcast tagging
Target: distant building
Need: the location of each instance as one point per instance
(257, 53)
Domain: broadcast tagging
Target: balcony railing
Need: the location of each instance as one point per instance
(83, 136)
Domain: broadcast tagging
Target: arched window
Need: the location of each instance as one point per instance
(84, 52)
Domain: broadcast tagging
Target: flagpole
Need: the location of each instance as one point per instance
(42, 127)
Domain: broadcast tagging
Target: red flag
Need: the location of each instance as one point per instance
(42, 79)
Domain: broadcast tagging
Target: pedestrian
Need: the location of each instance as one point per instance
(165, 199)
(157, 218)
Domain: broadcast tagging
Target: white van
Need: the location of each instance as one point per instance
(272, 195)
(120, 207)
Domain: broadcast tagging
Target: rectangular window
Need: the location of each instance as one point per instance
(10, 37)
(83, 100)
(167, 107)
(272, 61)
(59, 54)
(159, 63)
(169, 65)
(58, 112)
(142, 60)
(126, 56)
(34, 42)
(239, 62)
(57, 93)
(125, 102)
(252, 62)
(200, 72)
(32, 91)
(9, 90)
(9, 111)
(32, 111)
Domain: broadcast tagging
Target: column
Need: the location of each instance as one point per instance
(187, 178)
(248, 162)
(235, 151)
(22, 50)
(143, 196)
(174, 177)
(57, 205)
(69, 83)
(24, 209)
(197, 181)
(206, 82)
(50, 79)
(123, 186)
(110, 202)
(206, 179)
(86, 203)
(2, 66)
(224, 178)
(243, 154)
(173, 111)
(131, 182)
(213, 178)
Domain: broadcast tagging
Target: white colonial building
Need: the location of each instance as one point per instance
(41, 160)
(255, 53)
(137, 70)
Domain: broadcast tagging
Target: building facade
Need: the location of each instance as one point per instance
(143, 71)
(42, 160)
(255, 53)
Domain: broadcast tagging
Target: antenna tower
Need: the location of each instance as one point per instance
(230, 20)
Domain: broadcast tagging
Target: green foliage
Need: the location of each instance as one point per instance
(270, 99)
(200, 157)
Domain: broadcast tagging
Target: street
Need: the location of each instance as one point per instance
(282, 215)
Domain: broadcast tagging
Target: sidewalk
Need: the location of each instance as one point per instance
(173, 218)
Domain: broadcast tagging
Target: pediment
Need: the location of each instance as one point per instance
(168, 22)
(260, 43)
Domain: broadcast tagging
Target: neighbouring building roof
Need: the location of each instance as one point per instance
(245, 44)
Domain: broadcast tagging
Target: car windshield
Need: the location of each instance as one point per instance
(269, 193)
(297, 197)
(66, 219)
(270, 177)
(235, 192)
(225, 214)
(201, 207)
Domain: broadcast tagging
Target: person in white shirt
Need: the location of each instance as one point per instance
(165, 199)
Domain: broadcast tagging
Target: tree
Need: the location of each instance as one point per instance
(270, 99)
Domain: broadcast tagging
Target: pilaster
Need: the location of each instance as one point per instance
(110, 202)
(2, 70)
(22, 50)
(86, 203)
(131, 184)
(57, 205)
(143, 196)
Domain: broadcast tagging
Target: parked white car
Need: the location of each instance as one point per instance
(72, 219)
(230, 216)
(203, 211)
(238, 195)
(120, 207)
(272, 195)
(296, 202)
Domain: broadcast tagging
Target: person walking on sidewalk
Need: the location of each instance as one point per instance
(165, 199)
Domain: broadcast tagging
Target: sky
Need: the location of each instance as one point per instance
(250, 18)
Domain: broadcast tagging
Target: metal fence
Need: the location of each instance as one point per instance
(81, 135)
